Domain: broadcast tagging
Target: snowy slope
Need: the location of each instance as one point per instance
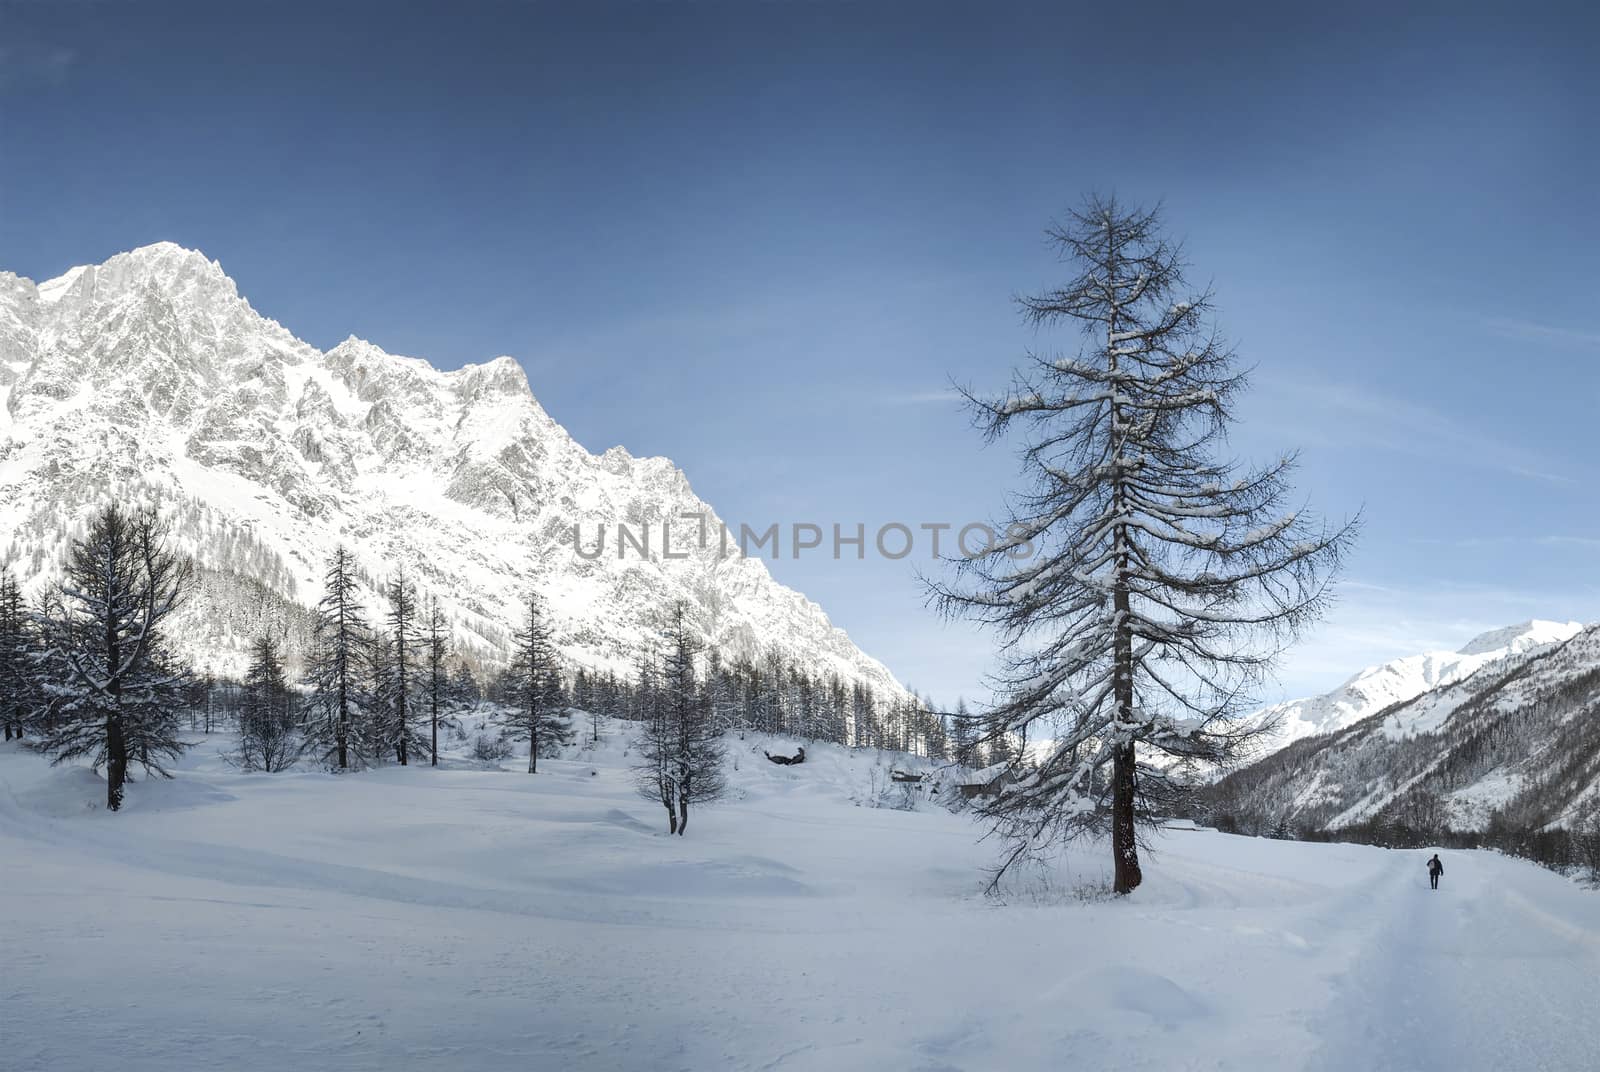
(460, 918)
(1399, 680)
(1520, 735)
(150, 377)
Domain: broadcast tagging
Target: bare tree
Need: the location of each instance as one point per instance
(654, 743)
(681, 751)
(113, 691)
(1144, 583)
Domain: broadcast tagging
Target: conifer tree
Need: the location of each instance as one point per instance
(1144, 582)
(400, 716)
(438, 652)
(963, 736)
(1002, 748)
(113, 692)
(723, 706)
(863, 717)
(377, 732)
(340, 637)
(539, 717)
(205, 692)
(770, 715)
(18, 691)
(269, 724)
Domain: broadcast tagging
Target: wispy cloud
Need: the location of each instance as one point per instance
(1375, 419)
(1527, 330)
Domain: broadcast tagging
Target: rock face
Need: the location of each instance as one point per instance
(149, 378)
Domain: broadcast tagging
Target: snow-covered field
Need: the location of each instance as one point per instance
(462, 918)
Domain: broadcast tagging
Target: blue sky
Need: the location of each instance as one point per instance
(761, 239)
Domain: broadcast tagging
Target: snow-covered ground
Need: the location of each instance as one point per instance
(462, 918)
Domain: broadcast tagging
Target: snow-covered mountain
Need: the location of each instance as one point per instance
(1519, 737)
(1398, 680)
(150, 378)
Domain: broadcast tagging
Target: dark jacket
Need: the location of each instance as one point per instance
(1435, 866)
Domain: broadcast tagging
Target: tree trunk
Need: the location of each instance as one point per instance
(402, 697)
(1124, 844)
(533, 741)
(343, 736)
(683, 813)
(116, 762)
(116, 741)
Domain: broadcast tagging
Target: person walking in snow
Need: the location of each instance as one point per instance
(1435, 869)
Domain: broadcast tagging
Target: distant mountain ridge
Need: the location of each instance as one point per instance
(1377, 687)
(151, 379)
(1515, 740)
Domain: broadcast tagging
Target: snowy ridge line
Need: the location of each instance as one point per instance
(149, 378)
(1398, 681)
(1514, 743)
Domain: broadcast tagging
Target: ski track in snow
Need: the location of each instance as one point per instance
(461, 918)
(1471, 976)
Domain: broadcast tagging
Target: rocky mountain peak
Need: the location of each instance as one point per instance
(150, 377)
